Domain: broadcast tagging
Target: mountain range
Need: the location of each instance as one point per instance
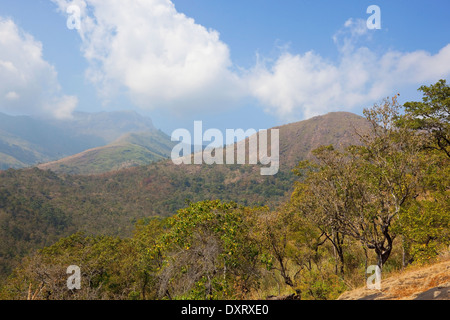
(26, 141)
(37, 206)
(131, 149)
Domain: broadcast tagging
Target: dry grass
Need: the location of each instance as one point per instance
(406, 284)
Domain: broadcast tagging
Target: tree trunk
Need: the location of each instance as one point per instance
(383, 252)
(366, 258)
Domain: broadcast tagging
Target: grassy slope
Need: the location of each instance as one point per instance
(132, 149)
(428, 282)
(7, 161)
(16, 152)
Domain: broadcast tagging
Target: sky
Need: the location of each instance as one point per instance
(231, 64)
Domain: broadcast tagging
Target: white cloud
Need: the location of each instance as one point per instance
(12, 95)
(162, 58)
(301, 86)
(292, 81)
(28, 84)
(61, 107)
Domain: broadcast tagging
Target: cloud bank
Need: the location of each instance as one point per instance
(28, 84)
(305, 85)
(160, 57)
(164, 59)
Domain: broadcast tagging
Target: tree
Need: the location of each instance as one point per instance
(209, 252)
(426, 223)
(106, 268)
(432, 115)
(148, 256)
(393, 165)
(294, 251)
(314, 214)
(361, 191)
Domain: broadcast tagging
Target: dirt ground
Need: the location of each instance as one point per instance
(424, 283)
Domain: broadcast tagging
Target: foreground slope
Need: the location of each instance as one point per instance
(425, 283)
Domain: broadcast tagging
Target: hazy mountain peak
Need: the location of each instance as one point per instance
(32, 139)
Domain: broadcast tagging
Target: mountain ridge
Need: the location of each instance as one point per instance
(29, 140)
(129, 150)
(38, 206)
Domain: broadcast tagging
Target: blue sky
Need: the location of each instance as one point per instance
(233, 64)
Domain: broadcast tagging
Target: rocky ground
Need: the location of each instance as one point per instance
(424, 283)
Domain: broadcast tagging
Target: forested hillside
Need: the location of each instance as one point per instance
(111, 203)
(364, 191)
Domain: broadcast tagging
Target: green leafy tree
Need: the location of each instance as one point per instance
(209, 252)
(360, 192)
(432, 115)
(425, 224)
(148, 256)
(106, 265)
